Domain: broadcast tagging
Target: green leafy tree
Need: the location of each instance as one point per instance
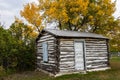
(25, 46)
(17, 47)
(7, 43)
(114, 36)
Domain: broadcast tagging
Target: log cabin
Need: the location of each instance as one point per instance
(62, 52)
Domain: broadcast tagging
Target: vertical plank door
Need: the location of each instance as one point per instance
(79, 52)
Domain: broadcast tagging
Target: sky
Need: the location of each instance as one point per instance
(11, 8)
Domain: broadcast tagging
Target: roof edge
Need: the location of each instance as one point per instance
(47, 30)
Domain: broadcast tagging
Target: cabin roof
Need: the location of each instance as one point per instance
(77, 34)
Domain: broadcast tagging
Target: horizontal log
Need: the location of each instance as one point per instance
(67, 39)
(91, 58)
(71, 59)
(97, 55)
(47, 64)
(50, 68)
(49, 47)
(48, 39)
(67, 45)
(98, 66)
(39, 54)
(67, 56)
(95, 44)
(97, 47)
(51, 62)
(66, 42)
(96, 50)
(66, 53)
(51, 43)
(89, 44)
(92, 46)
(39, 45)
(67, 63)
(51, 59)
(51, 51)
(67, 66)
(64, 49)
(39, 57)
(51, 56)
(46, 36)
(96, 61)
(66, 59)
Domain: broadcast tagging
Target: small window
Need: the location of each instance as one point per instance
(45, 51)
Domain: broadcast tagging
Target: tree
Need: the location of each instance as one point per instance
(79, 15)
(100, 16)
(67, 13)
(114, 36)
(22, 31)
(17, 50)
(32, 15)
(7, 48)
(25, 46)
(94, 16)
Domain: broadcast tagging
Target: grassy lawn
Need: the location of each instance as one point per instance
(112, 74)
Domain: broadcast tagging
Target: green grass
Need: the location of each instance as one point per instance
(115, 59)
(112, 74)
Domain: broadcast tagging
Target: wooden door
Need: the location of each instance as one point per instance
(79, 55)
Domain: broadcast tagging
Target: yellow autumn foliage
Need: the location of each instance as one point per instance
(31, 14)
(65, 10)
(74, 14)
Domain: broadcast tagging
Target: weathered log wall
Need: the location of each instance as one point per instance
(51, 65)
(95, 54)
(61, 55)
(67, 55)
